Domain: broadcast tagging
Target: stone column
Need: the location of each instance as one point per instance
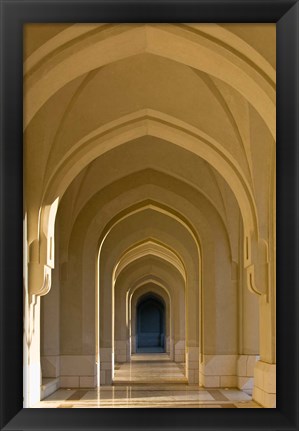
(192, 318)
(31, 343)
(264, 391)
(106, 334)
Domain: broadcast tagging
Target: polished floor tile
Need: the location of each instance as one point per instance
(150, 368)
(149, 396)
(151, 381)
(146, 396)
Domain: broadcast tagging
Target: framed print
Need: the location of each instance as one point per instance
(149, 217)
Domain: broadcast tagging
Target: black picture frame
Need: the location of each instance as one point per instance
(14, 14)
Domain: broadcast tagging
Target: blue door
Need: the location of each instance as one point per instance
(150, 324)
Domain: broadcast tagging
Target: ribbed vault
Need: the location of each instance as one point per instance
(149, 154)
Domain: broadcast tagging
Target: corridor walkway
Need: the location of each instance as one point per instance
(154, 368)
(150, 380)
(152, 396)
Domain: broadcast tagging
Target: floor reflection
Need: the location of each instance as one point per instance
(152, 381)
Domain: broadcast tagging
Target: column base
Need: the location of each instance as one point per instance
(78, 371)
(192, 365)
(245, 371)
(264, 390)
(50, 365)
(106, 366)
(120, 347)
(218, 371)
(49, 386)
(31, 384)
(179, 351)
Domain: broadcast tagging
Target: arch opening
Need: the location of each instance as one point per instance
(162, 206)
(150, 324)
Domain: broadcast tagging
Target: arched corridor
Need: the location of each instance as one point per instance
(149, 217)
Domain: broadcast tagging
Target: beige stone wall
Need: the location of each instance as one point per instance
(149, 160)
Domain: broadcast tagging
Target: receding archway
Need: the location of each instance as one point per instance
(217, 349)
(150, 322)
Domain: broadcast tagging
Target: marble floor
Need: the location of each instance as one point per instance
(154, 368)
(149, 396)
(153, 381)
